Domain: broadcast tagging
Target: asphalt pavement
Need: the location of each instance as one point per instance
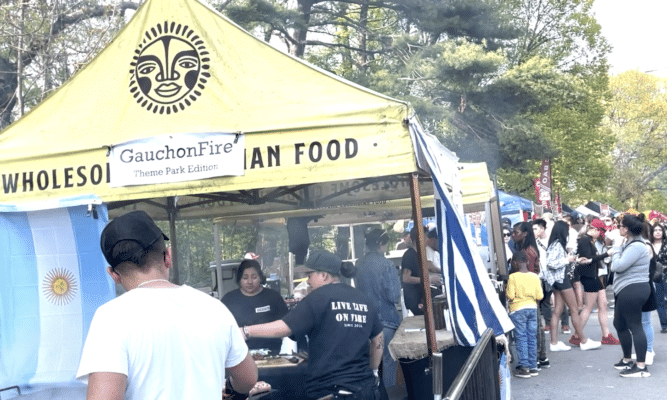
(590, 374)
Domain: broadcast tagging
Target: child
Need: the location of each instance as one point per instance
(524, 291)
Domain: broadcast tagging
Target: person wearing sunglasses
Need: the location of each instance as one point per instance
(507, 237)
(630, 264)
(594, 289)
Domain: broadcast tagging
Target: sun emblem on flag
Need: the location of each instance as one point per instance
(59, 286)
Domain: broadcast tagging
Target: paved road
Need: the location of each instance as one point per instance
(577, 374)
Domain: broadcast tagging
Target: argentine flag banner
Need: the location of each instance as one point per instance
(52, 279)
(473, 302)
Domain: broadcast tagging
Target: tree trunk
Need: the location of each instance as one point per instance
(363, 23)
(8, 84)
(305, 8)
(19, 67)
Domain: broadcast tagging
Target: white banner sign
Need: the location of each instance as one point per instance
(177, 158)
(545, 193)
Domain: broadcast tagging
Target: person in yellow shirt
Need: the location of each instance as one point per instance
(524, 291)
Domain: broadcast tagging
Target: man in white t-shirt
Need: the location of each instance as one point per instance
(158, 340)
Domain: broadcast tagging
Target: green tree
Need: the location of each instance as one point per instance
(637, 116)
(556, 80)
(43, 43)
(509, 83)
(563, 31)
(565, 115)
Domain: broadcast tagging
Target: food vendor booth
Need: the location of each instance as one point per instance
(185, 115)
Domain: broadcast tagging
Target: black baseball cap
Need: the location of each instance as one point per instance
(136, 226)
(321, 260)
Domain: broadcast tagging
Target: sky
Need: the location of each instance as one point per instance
(636, 30)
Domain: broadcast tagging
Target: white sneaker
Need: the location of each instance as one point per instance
(560, 346)
(649, 357)
(590, 344)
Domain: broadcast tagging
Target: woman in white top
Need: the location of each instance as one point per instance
(556, 275)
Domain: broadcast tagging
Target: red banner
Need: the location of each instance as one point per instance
(657, 215)
(543, 185)
(559, 207)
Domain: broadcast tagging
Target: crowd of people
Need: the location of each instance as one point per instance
(559, 264)
(560, 271)
(161, 340)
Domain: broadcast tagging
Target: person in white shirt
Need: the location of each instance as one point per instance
(572, 239)
(159, 340)
(612, 237)
(549, 218)
(433, 255)
(540, 232)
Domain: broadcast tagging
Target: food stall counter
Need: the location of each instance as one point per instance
(409, 342)
(409, 347)
(285, 374)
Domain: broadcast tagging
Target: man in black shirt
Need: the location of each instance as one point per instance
(344, 332)
(411, 277)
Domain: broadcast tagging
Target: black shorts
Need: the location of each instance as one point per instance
(566, 284)
(591, 285)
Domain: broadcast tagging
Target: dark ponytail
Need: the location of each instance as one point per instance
(633, 223)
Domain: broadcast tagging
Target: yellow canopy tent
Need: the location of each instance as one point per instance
(186, 115)
(476, 186)
(183, 91)
(179, 67)
(479, 195)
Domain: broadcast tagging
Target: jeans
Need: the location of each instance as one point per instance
(525, 336)
(648, 330)
(389, 366)
(660, 293)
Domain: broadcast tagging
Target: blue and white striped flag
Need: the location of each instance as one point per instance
(473, 302)
(52, 279)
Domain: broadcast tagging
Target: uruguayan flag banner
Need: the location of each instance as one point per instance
(473, 301)
(52, 279)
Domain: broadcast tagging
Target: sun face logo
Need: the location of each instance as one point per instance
(170, 68)
(59, 286)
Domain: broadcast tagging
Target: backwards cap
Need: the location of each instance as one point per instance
(136, 226)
